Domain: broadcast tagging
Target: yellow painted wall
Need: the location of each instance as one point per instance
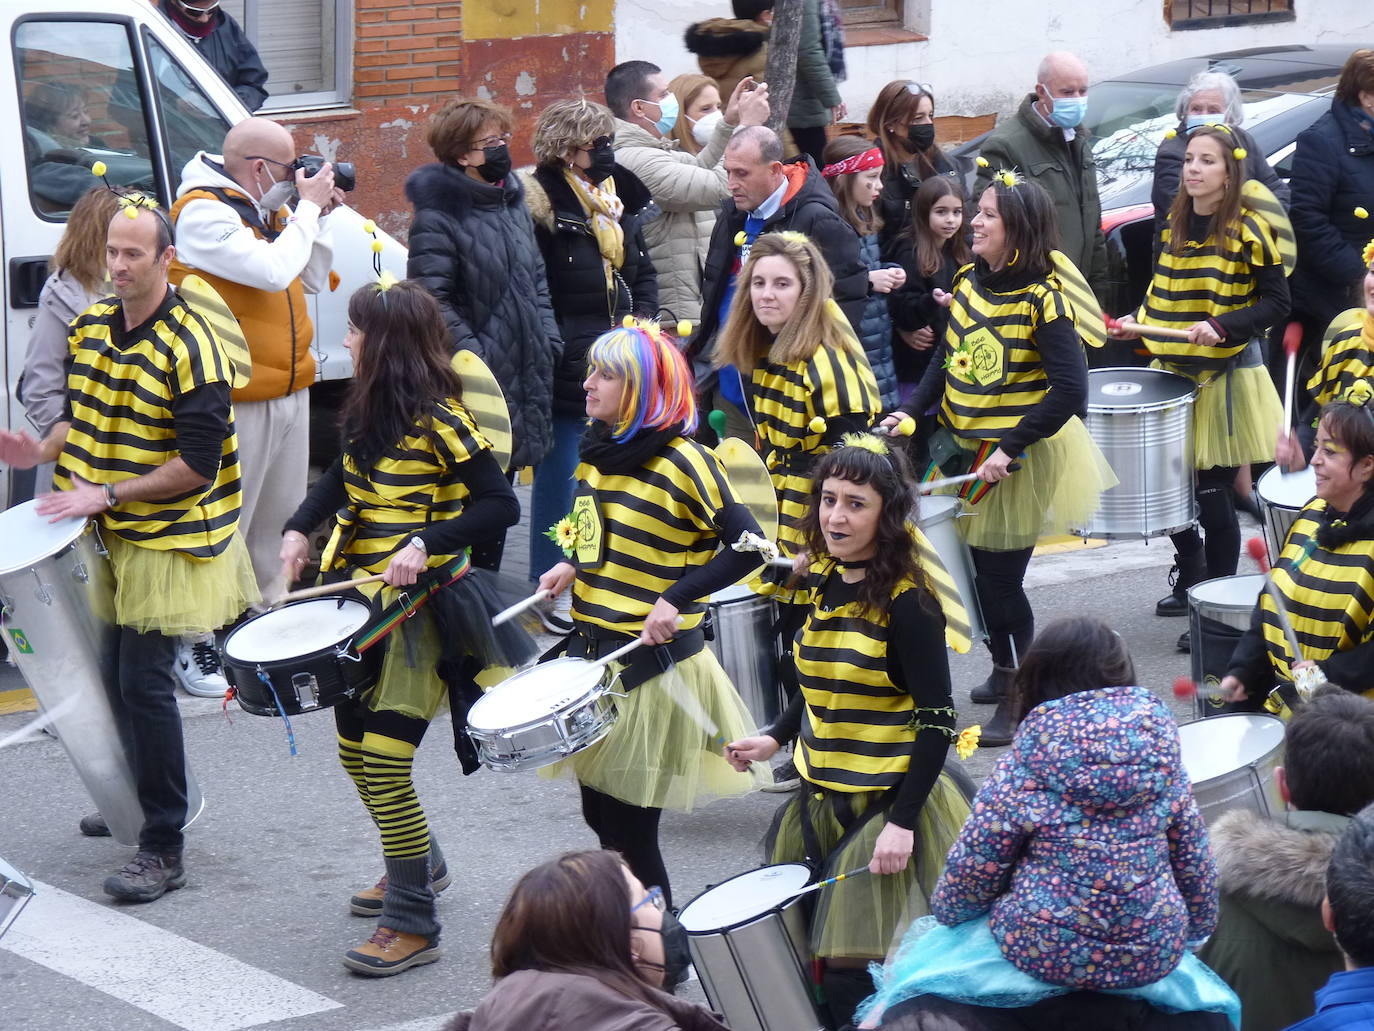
(508, 19)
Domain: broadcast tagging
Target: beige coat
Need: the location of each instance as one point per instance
(689, 190)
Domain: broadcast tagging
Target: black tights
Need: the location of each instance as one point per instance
(1216, 514)
(1007, 612)
(630, 830)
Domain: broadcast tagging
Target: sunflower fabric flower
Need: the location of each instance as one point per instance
(564, 535)
(960, 362)
(967, 741)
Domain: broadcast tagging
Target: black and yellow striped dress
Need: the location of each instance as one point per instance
(648, 528)
(178, 561)
(1237, 413)
(861, 712)
(1349, 357)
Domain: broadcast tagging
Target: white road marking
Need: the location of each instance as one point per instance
(423, 1024)
(186, 984)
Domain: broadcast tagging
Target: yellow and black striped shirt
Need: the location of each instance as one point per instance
(123, 389)
(416, 483)
(656, 524)
(1349, 357)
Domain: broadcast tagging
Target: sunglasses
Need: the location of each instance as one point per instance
(917, 88)
(198, 10)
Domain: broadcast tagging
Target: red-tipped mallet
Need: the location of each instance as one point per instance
(1259, 551)
(1260, 554)
(1185, 687)
(1292, 338)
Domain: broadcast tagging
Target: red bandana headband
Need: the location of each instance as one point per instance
(857, 163)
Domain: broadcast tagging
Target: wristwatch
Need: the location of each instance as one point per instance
(415, 542)
(110, 499)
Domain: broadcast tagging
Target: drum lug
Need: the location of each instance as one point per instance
(80, 573)
(40, 590)
(307, 690)
(100, 548)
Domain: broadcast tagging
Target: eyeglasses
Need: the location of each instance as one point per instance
(654, 898)
(491, 141)
(198, 10)
(271, 161)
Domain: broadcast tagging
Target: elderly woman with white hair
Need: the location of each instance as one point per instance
(1210, 98)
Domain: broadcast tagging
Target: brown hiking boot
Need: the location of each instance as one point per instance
(389, 952)
(368, 902)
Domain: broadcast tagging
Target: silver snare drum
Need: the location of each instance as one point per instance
(938, 515)
(542, 714)
(1231, 761)
(748, 942)
(1218, 615)
(744, 642)
(15, 892)
(1142, 419)
(1282, 496)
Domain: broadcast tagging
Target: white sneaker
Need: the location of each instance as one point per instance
(197, 667)
(556, 615)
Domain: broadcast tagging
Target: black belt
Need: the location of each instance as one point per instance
(794, 463)
(642, 664)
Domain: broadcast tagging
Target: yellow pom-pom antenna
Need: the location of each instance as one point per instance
(866, 441)
(377, 246)
(1008, 178)
(131, 211)
(99, 169)
(370, 227)
(1241, 153)
(628, 322)
(1171, 134)
(1361, 213)
(740, 238)
(684, 328)
(816, 425)
(981, 161)
(906, 427)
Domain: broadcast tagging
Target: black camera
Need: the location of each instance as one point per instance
(345, 176)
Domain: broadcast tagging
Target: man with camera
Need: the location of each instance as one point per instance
(254, 224)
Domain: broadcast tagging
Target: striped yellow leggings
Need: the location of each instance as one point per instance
(377, 750)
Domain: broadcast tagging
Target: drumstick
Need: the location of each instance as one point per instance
(1257, 551)
(1292, 337)
(826, 883)
(43, 719)
(315, 592)
(1131, 326)
(506, 615)
(931, 486)
(905, 427)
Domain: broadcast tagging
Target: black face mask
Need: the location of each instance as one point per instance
(495, 164)
(920, 135)
(603, 163)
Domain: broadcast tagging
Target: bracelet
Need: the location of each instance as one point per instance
(110, 500)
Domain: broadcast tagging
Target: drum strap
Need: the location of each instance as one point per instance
(1250, 357)
(643, 664)
(843, 802)
(410, 601)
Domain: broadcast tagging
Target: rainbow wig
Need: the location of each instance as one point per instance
(658, 391)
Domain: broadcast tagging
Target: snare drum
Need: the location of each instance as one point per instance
(1142, 419)
(938, 513)
(305, 650)
(15, 892)
(542, 714)
(1231, 761)
(744, 642)
(1218, 615)
(1282, 496)
(748, 942)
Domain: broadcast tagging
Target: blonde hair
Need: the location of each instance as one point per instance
(816, 321)
(81, 251)
(687, 87)
(566, 125)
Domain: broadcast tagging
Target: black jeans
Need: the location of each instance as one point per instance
(150, 725)
(1007, 615)
(1216, 514)
(630, 830)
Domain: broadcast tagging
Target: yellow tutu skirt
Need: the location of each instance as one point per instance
(167, 593)
(408, 683)
(1256, 416)
(658, 755)
(1058, 487)
(865, 917)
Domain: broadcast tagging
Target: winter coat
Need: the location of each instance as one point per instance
(582, 303)
(875, 326)
(1333, 174)
(1344, 1003)
(1169, 172)
(808, 207)
(1270, 945)
(728, 50)
(232, 54)
(900, 183)
(689, 190)
(815, 93)
(913, 306)
(1027, 143)
(1087, 846)
(43, 387)
(472, 246)
(543, 1000)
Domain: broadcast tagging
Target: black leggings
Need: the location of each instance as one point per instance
(810, 141)
(1216, 513)
(1007, 615)
(630, 830)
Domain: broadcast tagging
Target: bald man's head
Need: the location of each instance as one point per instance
(1061, 76)
(257, 150)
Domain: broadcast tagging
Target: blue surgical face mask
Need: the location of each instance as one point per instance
(1197, 121)
(667, 113)
(1067, 112)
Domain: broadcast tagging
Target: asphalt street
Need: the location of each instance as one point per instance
(255, 938)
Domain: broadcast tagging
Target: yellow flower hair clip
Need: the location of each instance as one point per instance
(866, 441)
(967, 741)
(1008, 178)
(1368, 254)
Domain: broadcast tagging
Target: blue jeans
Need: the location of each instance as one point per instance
(552, 494)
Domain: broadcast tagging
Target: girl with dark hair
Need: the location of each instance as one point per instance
(1009, 379)
(415, 488)
(1084, 865)
(1220, 276)
(872, 722)
(902, 123)
(579, 944)
(1325, 571)
(655, 509)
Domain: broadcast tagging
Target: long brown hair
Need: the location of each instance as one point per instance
(816, 322)
(402, 370)
(687, 87)
(930, 252)
(897, 104)
(81, 251)
(864, 218)
(1225, 221)
(572, 915)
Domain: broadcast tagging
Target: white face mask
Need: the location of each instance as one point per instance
(279, 193)
(704, 128)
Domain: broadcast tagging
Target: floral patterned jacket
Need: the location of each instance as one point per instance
(1086, 846)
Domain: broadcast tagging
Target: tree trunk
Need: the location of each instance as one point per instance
(783, 40)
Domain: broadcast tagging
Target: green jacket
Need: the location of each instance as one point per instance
(815, 93)
(1270, 945)
(1027, 143)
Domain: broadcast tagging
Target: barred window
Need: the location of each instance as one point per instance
(1211, 14)
(871, 13)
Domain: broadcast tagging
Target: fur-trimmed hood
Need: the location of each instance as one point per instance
(547, 192)
(1283, 860)
(725, 37)
(451, 189)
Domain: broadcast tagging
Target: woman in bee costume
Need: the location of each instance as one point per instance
(1007, 385)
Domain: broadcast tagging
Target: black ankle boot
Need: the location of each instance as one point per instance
(1188, 570)
(990, 691)
(1000, 729)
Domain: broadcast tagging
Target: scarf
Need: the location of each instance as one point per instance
(621, 459)
(603, 209)
(194, 29)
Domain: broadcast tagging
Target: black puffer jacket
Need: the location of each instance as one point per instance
(582, 302)
(232, 54)
(900, 183)
(472, 246)
(809, 208)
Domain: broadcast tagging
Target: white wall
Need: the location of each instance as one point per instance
(982, 54)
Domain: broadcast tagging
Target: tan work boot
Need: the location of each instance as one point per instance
(389, 952)
(368, 902)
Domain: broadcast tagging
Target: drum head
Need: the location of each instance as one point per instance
(743, 898)
(1217, 746)
(533, 694)
(298, 629)
(733, 593)
(26, 538)
(1116, 389)
(1228, 592)
(1287, 490)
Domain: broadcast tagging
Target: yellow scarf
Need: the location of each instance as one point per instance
(603, 210)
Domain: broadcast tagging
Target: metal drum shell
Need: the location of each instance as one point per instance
(743, 641)
(1231, 761)
(15, 892)
(62, 606)
(1281, 498)
(557, 731)
(1219, 613)
(937, 518)
(754, 968)
(1150, 448)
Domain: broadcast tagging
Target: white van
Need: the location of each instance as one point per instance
(154, 102)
